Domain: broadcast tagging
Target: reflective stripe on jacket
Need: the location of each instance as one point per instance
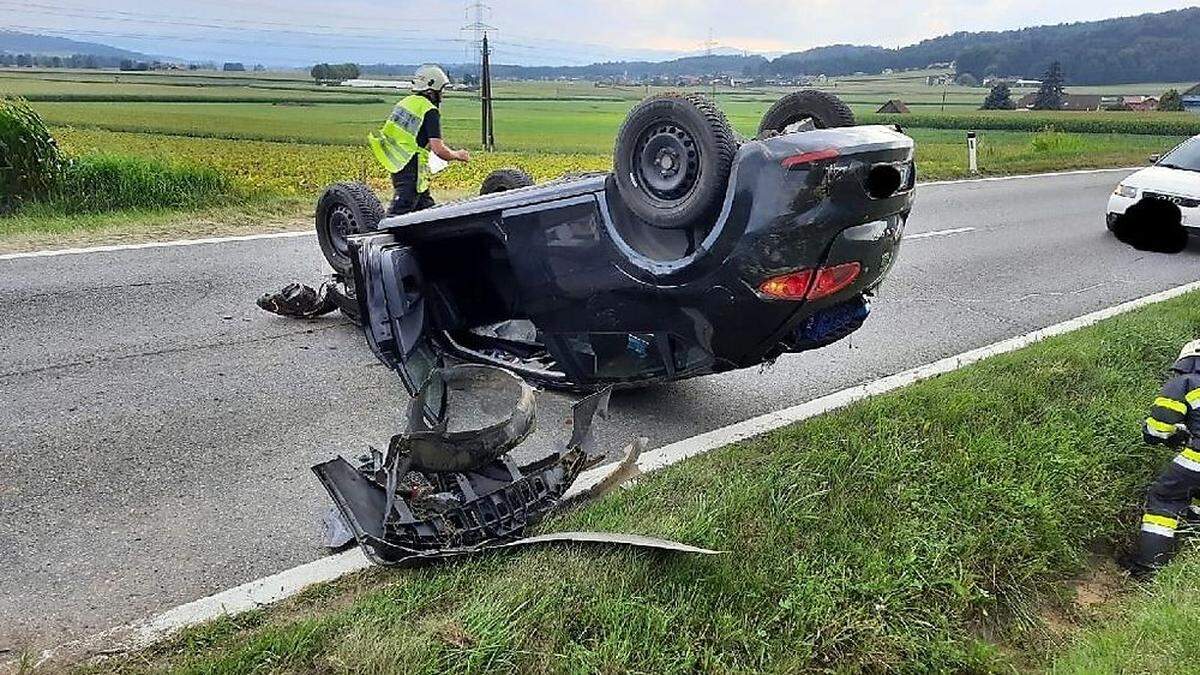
(396, 143)
(1177, 404)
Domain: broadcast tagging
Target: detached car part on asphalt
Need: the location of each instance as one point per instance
(448, 485)
(701, 254)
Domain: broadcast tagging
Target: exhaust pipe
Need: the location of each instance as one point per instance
(883, 181)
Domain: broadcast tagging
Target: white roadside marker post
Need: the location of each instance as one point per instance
(973, 151)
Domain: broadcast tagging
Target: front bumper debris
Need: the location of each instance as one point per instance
(447, 490)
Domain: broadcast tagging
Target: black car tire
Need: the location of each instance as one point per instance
(672, 160)
(345, 209)
(503, 180)
(825, 110)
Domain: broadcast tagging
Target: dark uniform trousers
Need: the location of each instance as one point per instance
(407, 199)
(1171, 501)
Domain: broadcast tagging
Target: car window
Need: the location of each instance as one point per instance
(1186, 156)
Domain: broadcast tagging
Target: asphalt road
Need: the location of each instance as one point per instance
(156, 429)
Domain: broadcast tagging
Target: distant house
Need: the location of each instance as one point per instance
(894, 107)
(1140, 102)
(1191, 99)
(1077, 102)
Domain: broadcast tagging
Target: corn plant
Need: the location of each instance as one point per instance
(30, 161)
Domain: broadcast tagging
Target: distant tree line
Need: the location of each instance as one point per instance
(333, 73)
(1161, 47)
(42, 61)
(92, 62)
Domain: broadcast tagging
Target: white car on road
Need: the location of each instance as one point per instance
(1174, 178)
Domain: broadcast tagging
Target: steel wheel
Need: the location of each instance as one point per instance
(669, 162)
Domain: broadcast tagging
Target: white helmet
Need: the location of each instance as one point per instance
(1190, 349)
(430, 78)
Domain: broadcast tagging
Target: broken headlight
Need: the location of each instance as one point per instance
(1126, 191)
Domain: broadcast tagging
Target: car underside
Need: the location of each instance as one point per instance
(565, 285)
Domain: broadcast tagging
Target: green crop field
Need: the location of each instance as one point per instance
(280, 136)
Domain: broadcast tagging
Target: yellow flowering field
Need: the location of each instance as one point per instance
(264, 168)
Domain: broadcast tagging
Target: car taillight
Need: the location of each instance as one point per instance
(790, 286)
(810, 157)
(810, 285)
(830, 280)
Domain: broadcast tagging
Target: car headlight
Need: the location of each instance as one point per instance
(1126, 191)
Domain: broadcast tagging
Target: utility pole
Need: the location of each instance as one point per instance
(485, 91)
(477, 15)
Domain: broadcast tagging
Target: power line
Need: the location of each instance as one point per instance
(142, 16)
(384, 43)
(477, 14)
(332, 31)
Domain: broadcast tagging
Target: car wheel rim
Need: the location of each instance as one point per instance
(668, 162)
(341, 225)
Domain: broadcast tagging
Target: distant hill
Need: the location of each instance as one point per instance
(717, 64)
(1162, 47)
(13, 42)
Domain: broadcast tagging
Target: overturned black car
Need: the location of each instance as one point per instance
(702, 252)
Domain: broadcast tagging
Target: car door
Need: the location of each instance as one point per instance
(395, 318)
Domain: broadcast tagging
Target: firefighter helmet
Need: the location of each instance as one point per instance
(430, 78)
(1190, 349)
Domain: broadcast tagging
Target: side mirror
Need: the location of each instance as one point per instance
(1155, 158)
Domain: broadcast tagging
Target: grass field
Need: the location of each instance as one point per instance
(280, 137)
(945, 527)
(528, 126)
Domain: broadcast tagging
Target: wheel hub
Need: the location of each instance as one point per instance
(668, 162)
(341, 225)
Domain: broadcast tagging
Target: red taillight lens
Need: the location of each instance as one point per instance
(830, 280)
(810, 285)
(810, 157)
(791, 286)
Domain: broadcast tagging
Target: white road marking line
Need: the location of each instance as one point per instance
(290, 582)
(938, 233)
(1026, 176)
(50, 253)
(276, 235)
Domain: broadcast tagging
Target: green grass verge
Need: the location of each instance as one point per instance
(99, 183)
(44, 229)
(1153, 632)
(929, 529)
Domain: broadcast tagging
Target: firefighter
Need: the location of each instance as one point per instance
(411, 133)
(1174, 421)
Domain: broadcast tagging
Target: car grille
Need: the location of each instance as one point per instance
(1183, 202)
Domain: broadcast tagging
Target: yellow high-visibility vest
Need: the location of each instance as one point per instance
(396, 143)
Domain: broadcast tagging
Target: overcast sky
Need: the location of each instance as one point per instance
(529, 31)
